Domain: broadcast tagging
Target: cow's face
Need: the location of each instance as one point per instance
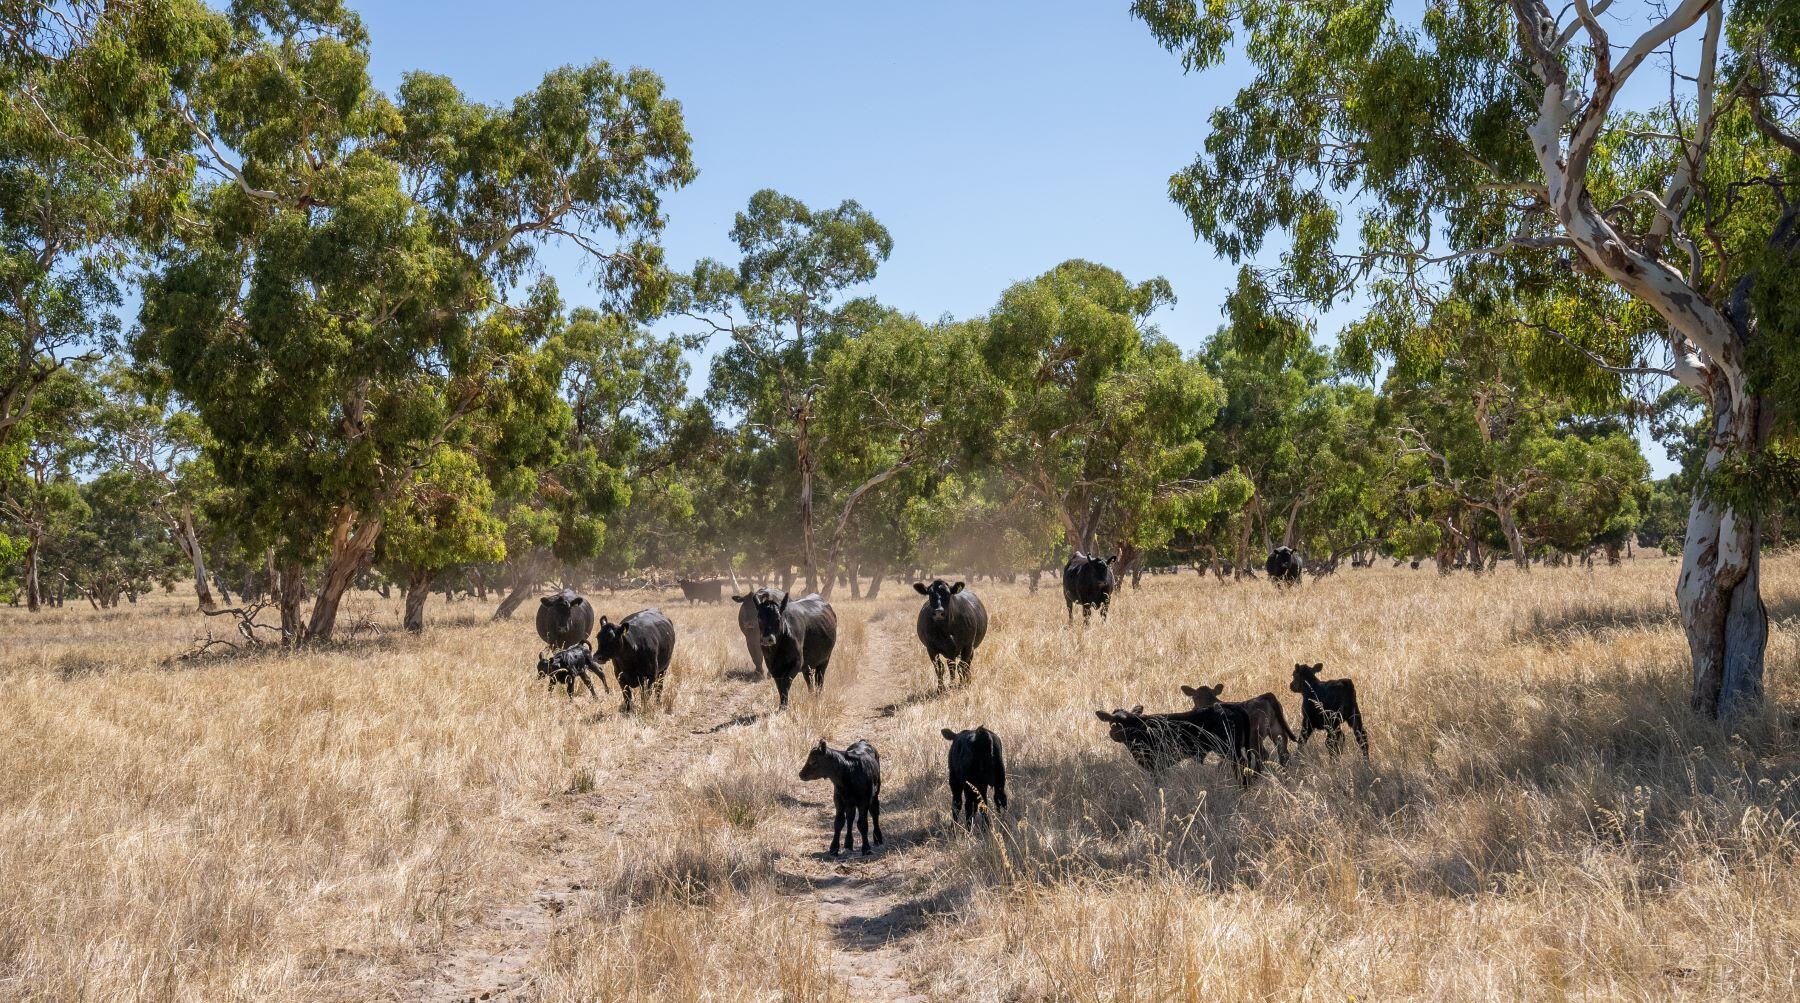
(1123, 724)
(1306, 677)
(543, 666)
(937, 595)
(607, 639)
(768, 618)
(816, 762)
(1204, 696)
(564, 602)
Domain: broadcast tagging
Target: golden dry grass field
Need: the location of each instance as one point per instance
(416, 818)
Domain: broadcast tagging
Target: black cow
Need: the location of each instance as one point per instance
(1090, 582)
(855, 776)
(1159, 741)
(1284, 566)
(796, 637)
(1326, 705)
(711, 590)
(952, 624)
(570, 664)
(640, 648)
(977, 763)
(564, 619)
(747, 622)
(1267, 722)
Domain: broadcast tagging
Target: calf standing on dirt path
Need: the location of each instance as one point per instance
(1326, 705)
(977, 763)
(855, 776)
(952, 623)
(640, 648)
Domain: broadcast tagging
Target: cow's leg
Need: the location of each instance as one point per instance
(1356, 726)
(627, 691)
(937, 664)
(781, 686)
(956, 800)
(837, 829)
(1281, 749)
(756, 659)
(862, 826)
(1307, 727)
(967, 662)
(1071, 609)
(600, 670)
(819, 674)
(589, 683)
(1334, 738)
(875, 806)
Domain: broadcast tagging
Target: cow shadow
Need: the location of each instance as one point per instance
(747, 674)
(742, 720)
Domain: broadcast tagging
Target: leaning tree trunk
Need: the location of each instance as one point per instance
(351, 542)
(1515, 540)
(1720, 589)
(182, 527)
(418, 589)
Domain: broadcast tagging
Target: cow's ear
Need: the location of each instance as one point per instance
(1104, 716)
(954, 589)
(604, 621)
(920, 588)
(821, 745)
(784, 602)
(1139, 709)
(739, 598)
(1218, 688)
(951, 735)
(578, 602)
(1189, 691)
(547, 600)
(1113, 558)
(1319, 667)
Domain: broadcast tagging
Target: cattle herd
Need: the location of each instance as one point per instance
(788, 637)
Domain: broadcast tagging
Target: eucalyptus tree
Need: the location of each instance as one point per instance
(898, 395)
(443, 519)
(779, 311)
(339, 312)
(40, 496)
(1098, 415)
(1466, 135)
(138, 427)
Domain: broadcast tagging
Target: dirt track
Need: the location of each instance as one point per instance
(854, 899)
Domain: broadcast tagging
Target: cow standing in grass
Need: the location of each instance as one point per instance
(1159, 741)
(747, 622)
(640, 647)
(1327, 705)
(1284, 566)
(796, 637)
(564, 619)
(571, 664)
(977, 765)
(1267, 722)
(952, 623)
(1089, 582)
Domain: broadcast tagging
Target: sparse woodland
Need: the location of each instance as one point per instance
(293, 422)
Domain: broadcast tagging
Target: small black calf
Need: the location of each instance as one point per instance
(1327, 704)
(855, 776)
(977, 763)
(570, 664)
(1159, 741)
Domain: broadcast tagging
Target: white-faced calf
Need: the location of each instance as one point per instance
(1267, 722)
(855, 776)
(977, 764)
(1326, 705)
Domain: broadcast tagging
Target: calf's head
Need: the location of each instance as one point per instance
(1306, 677)
(818, 763)
(937, 595)
(1124, 724)
(1204, 696)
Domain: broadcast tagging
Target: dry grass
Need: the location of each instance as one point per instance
(1540, 819)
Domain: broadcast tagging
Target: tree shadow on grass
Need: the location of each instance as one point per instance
(1560, 626)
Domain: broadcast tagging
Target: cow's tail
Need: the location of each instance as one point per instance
(1000, 765)
(1281, 719)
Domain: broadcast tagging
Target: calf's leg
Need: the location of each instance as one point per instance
(837, 829)
(956, 799)
(874, 805)
(781, 686)
(862, 826)
(1356, 726)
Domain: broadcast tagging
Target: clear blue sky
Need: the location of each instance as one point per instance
(993, 139)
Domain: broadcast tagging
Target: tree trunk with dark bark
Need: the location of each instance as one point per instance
(418, 589)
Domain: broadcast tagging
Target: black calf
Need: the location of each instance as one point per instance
(977, 763)
(1327, 704)
(570, 664)
(855, 776)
